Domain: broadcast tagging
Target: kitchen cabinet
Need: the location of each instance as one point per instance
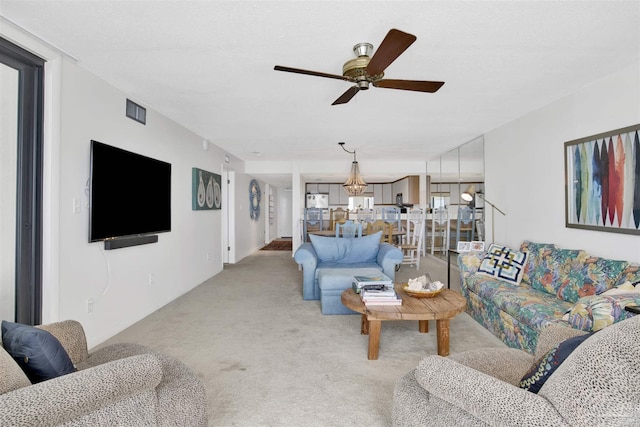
(334, 194)
(377, 193)
(413, 192)
(410, 189)
(387, 197)
(401, 187)
(344, 197)
(382, 193)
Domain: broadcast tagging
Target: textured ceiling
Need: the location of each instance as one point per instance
(209, 66)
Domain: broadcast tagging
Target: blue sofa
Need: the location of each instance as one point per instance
(334, 261)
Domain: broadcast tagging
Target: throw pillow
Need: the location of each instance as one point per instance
(595, 312)
(503, 263)
(537, 252)
(38, 352)
(547, 364)
(363, 249)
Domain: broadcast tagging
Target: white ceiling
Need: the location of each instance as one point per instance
(209, 66)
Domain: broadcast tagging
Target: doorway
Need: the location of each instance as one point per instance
(228, 217)
(21, 159)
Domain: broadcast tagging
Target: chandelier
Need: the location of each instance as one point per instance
(355, 185)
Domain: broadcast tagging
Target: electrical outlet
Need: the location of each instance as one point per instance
(90, 305)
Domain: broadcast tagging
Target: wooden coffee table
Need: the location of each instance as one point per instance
(442, 308)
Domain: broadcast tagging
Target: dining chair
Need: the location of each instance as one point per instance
(392, 216)
(336, 215)
(480, 228)
(416, 214)
(348, 229)
(312, 221)
(366, 216)
(439, 230)
(411, 249)
(385, 227)
(464, 224)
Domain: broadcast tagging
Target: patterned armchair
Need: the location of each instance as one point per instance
(593, 386)
(120, 384)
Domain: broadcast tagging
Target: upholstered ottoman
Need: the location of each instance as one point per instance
(333, 281)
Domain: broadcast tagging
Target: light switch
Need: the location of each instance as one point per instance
(76, 206)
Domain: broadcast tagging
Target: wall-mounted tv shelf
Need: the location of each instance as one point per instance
(125, 242)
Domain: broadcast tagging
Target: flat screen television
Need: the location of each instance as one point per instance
(129, 194)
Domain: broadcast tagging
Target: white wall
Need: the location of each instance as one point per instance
(119, 280)
(525, 166)
(80, 107)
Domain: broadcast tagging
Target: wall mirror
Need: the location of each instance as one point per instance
(450, 175)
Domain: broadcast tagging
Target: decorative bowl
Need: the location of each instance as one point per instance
(422, 294)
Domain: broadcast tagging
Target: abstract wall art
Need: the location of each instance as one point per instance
(206, 190)
(602, 181)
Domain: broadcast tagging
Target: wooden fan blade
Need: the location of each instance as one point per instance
(415, 85)
(394, 43)
(346, 97)
(310, 73)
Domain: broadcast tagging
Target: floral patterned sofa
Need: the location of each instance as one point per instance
(552, 285)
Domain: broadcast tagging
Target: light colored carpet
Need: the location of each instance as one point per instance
(269, 358)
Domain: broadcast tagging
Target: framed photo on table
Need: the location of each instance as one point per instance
(464, 247)
(602, 182)
(477, 246)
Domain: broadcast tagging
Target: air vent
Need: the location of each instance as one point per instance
(136, 112)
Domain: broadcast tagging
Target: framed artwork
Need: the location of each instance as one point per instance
(602, 182)
(254, 199)
(206, 190)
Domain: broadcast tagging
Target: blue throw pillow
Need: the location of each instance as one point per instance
(547, 365)
(346, 251)
(38, 352)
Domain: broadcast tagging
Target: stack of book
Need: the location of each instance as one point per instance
(380, 295)
(373, 282)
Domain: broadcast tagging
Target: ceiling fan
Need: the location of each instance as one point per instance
(366, 69)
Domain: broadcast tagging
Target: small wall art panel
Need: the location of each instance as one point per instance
(206, 190)
(602, 181)
(255, 194)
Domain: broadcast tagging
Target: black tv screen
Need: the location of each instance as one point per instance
(130, 194)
